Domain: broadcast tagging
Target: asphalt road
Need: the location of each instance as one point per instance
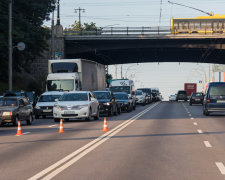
(159, 141)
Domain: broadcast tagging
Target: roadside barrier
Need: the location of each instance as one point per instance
(105, 127)
(61, 130)
(19, 130)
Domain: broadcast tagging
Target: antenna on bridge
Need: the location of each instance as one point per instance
(208, 13)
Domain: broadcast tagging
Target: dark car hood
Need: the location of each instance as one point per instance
(8, 108)
(122, 101)
(103, 100)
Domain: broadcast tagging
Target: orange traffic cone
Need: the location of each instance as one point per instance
(61, 130)
(19, 130)
(105, 127)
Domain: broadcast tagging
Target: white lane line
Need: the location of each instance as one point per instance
(79, 153)
(220, 167)
(207, 144)
(192, 118)
(26, 133)
(195, 123)
(52, 125)
(200, 131)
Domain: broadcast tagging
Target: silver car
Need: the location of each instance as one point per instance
(76, 105)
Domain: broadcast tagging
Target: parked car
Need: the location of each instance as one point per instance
(148, 93)
(14, 109)
(45, 103)
(107, 103)
(124, 101)
(76, 104)
(172, 98)
(214, 99)
(141, 97)
(181, 95)
(196, 98)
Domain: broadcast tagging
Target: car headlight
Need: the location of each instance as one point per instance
(107, 104)
(37, 107)
(7, 114)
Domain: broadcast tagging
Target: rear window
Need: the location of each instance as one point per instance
(217, 91)
(182, 92)
(197, 95)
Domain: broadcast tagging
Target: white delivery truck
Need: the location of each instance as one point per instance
(75, 75)
(124, 85)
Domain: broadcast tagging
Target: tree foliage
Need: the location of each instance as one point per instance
(83, 27)
(27, 26)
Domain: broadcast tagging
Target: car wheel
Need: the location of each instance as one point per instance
(29, 121)
(205, 112)
(56, 119)
(97, 115)
(110, 112)
(116, 111)
(15, 123)
(89, 115)
(37, 117)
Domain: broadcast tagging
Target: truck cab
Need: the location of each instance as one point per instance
(124, 85)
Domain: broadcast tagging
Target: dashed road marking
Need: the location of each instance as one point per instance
(195, 123)
(207, 144)
(200, 131)
(192, 118)
(52, 125)
(26, 133)
(220, 167)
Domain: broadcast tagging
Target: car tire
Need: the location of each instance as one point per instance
(56, 119)
(37, 117)
(205, 112)
(29, 121)
(97, 115)
(89, 115)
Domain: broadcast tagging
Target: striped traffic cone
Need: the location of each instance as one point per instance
(105, 127)
(61, 130)
(19, 130)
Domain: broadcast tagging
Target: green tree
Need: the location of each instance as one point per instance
(84, 27)
(27, 26)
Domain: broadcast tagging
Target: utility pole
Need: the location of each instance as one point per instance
(79, 9)
(58, 18)
(10, 45)
(53, 36)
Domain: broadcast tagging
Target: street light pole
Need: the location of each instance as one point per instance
(10, 46)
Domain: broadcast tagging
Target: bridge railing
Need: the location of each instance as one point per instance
(121, 31)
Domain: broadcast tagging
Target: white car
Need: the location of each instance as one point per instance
(76, 105)
(140, 97)
(172, 98)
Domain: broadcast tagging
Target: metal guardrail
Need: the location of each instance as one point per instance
(121, 31)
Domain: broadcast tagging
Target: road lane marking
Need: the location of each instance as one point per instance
(195, 123)
(207, 144)
(199, 131)
(221, 167)
(52, 125)
(192, 118)
(79, 153)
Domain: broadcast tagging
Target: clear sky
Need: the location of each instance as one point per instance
(168, 77)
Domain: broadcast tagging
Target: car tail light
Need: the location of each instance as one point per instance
(207, 100)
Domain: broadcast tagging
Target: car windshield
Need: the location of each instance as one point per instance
(138, 92)
(147, 91)
(197, 95)
(102, 95)
(8, 102)
(121, 96)
(57, 85)
(48, 98)
(120, 89)
(74, 97)
(217, 91)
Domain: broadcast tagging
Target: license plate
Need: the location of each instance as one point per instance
(69, 112)
(47, 110)
(220, 101)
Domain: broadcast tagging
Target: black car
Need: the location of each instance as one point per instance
(107, 103)
(196, 98)
(181, 95)
(14, 109)
(124, 101)
(214, 99)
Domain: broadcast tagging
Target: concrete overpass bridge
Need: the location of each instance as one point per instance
(136, 45)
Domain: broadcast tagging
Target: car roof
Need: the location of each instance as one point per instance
(120, 93)
(102, 91)
(72, 92)
(52, 93)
